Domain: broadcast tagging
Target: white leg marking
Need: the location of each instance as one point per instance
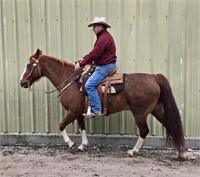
(84, 140)
(137, 147)
(66, 138)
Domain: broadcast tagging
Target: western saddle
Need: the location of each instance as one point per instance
(112, 84)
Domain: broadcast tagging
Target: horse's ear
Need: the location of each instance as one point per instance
(38, 52)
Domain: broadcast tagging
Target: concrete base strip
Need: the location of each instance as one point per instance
(94, 139)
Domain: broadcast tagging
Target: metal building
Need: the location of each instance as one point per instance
(152, 36)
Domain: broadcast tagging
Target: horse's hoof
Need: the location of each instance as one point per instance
(181, 159)
(130, 152)
(133, 152)
(73, 148)
(181, 156)
(82, 147)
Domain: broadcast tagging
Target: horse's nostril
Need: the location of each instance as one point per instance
(23, 84)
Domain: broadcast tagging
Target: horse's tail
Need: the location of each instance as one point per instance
(171, 118)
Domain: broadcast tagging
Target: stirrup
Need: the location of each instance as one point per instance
(93, 115)
(90, 114)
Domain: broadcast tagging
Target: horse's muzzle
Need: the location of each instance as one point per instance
(24, 84)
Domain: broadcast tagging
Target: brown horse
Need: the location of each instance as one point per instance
(142, 94)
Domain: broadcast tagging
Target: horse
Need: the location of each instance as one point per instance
(142, 94)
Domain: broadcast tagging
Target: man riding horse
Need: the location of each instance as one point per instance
(104, 57)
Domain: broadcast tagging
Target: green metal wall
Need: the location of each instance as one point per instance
(153, 36)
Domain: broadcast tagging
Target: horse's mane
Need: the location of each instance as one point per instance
(65, 63)
(61, 61)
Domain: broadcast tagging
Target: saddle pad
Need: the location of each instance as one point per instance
(115, 81)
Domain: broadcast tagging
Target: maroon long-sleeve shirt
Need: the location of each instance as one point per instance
(104, 51)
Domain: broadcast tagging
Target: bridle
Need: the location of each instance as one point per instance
(35, 64)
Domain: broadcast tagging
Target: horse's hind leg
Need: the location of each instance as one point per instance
(143, 131)
(84, 140)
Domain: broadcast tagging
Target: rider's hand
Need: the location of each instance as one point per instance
(77, 65)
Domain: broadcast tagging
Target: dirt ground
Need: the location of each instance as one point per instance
(96, 161)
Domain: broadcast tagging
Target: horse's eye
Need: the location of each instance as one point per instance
(28, 65)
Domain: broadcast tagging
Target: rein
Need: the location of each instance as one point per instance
(68, 85)
(51, 91)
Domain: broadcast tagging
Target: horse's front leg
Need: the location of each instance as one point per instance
(67, 139)
(84, 142)
(67, 120)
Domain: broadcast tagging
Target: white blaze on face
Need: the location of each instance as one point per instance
(22, 74)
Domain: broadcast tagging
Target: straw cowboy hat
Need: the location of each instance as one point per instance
(99, 20)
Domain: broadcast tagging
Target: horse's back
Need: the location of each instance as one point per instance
(142, 82)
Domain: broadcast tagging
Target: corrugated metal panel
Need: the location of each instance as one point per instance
(151, 36)
(192, 65)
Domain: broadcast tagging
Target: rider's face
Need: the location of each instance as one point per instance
(97, 28)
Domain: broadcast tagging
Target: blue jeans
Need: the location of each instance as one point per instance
(95, 79)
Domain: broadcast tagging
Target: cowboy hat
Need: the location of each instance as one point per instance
(99, 20)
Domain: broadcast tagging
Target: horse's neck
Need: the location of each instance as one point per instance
(56, 71)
